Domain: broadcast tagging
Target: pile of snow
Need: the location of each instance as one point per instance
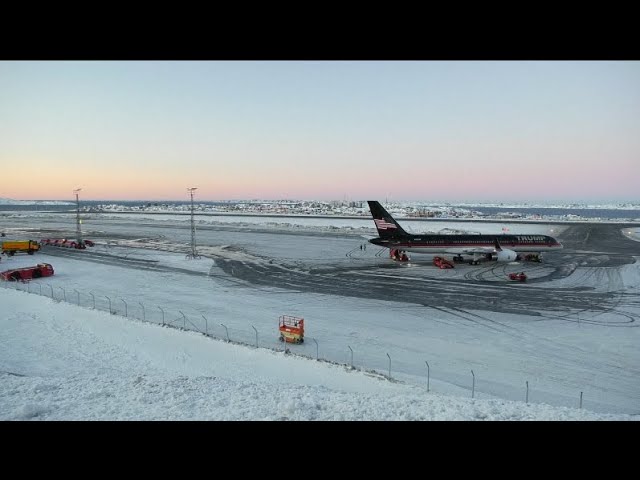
(8, 201)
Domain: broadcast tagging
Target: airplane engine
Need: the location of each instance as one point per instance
(505, 255)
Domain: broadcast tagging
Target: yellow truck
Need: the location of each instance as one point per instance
(28, 246)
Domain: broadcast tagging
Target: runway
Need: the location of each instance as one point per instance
(334, 264)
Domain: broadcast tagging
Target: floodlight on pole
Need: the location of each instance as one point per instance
(194, 253)
(78, 222)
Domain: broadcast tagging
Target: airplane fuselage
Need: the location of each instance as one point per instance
(462, 243)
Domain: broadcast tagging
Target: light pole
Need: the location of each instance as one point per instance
(78, 221)
(194, 253)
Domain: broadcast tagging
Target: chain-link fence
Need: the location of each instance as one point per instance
(208, 326)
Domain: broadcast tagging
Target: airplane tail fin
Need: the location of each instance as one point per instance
(386, 225)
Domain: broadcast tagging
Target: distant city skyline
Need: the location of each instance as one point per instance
(433, 131)
(155, 201)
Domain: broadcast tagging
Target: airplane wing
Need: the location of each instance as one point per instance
(476, 250)
(471, 250)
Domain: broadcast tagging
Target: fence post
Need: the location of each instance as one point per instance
(316, 347)
(206, 327)
(78, 295)
(94, 300)
(125, 308)
(580, 399)
(110, 312)
(40, 285)
(28, 287)
(473, 388)
(144, 314)
(254, 328)
(427, 374)
(227, 330)
(389, 365)
(527, 398)
(351, 356)
(64, 293)
(51, 290)
(184, 321)
(162, 315)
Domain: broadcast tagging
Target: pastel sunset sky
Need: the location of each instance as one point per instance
(396, 130)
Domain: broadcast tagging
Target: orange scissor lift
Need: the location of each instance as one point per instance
(291, 329)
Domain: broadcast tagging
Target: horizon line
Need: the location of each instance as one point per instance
(284, 199)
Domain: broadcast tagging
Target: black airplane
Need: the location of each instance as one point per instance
(502, 247)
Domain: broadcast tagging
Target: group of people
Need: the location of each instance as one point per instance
(394, 253)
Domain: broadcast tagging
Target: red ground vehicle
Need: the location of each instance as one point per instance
(518, 277)
(442, 262)
(291, 329)
(63, 242)
(27, 273)
(398, 255)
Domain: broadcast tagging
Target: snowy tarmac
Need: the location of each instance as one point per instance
(570, 328)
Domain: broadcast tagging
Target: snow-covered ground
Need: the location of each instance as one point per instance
(363, 226)
(632, 233)
(64, 362)
(275, 208)
(61, 360)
